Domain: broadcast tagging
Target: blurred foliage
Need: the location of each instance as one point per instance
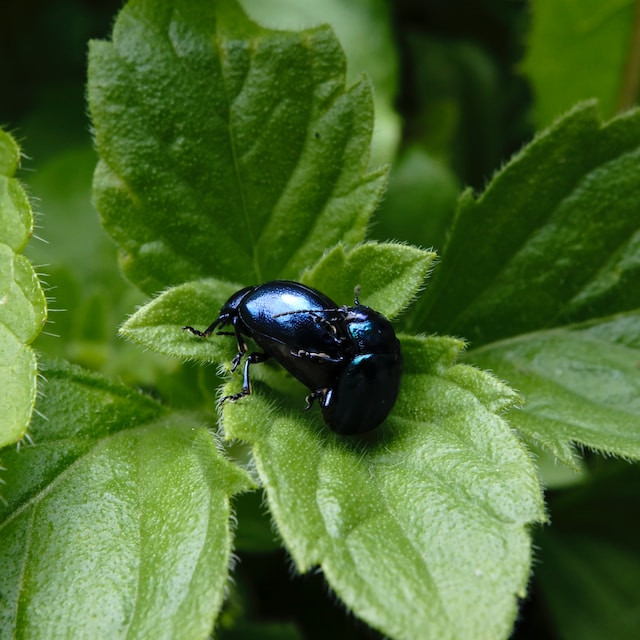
(598, 44)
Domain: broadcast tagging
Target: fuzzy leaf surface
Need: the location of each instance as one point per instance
(94, 542)
(580, 382)
(554, 239)
(437, 503)
(389, 275)
(542, 274)
(158, 324)
(225, 147)
(23, 308)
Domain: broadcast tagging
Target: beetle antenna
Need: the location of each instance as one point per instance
(203, 334)
(356, 295)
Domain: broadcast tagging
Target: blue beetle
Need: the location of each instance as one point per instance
(349, 357)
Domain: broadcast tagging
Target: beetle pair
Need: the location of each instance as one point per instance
(349, 357)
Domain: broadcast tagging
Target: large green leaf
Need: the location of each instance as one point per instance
(226, 148)
(23, 308)
(115, 522)
(580, 50)
(554, 240)
(422, 530)
(580, 382)
(438, 502)
(443, 448)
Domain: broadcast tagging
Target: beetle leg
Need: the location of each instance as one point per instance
(236, 361)
(242, 349)
(328, 324)
(253, 358)
(206, 333)
(310, 400)
(323, 357)
(320, 395)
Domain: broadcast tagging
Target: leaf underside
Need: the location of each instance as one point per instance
(580, 382)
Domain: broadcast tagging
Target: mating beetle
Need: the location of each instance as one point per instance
(349, 357)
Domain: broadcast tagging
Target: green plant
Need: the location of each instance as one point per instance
(232, 154)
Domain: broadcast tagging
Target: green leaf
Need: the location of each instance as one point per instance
(437, 503)
(580, 50)
(225, 147)
(23, 308)
(158, 325)
(554, 473)
(580, 382)
(365, 31)
(554, 240)
(389, 275)
(9, 162)
(555, 237)
(115, 523)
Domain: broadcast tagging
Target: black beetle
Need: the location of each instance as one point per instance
(349, 357)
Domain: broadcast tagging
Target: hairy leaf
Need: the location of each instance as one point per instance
(23, 308)
(158, 324)
(389, 275)
(437, 503)
(580, 382)
(94, 542)
(555, 238)
(225, 147)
